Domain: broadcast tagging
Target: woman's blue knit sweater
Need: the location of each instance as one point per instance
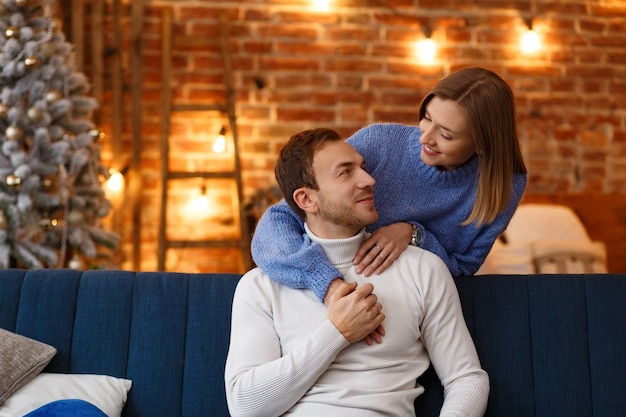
(406, 190)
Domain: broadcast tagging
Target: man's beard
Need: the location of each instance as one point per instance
(343, 215)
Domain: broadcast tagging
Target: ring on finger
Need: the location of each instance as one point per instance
(378, 247)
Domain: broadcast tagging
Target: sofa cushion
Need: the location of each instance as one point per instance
(107, 393)
(21, 359)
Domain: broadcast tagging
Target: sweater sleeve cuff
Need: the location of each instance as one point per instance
(320, 278)
(332, 338)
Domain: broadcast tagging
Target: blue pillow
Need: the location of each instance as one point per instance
(67, 408)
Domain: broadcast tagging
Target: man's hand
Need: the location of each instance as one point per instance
(376, 336)
(355, 312)
(382, 248)
(334, 286)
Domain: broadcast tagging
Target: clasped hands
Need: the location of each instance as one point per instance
(356, 312)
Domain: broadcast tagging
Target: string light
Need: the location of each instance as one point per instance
(530, 41)
(115, 183)
(425, 50)
(219, 145)
(321, 5)
(200, 203)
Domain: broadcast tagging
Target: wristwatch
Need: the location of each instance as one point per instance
(416, 237)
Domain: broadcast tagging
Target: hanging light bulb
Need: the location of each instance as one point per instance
(203, 198)
(219, 145)
(115, 183)
(425, 48)
(321, 5)
(530, 41)
(199, 204)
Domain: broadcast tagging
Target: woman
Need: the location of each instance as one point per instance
(450, 187)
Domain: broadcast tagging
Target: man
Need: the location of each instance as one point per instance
(291, 354)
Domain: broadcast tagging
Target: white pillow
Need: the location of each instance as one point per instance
(107, 393)
(513, 258)
(570, 257)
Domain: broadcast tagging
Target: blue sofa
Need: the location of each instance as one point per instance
(553, 345)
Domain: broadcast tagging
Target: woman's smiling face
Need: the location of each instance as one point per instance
(445, 139)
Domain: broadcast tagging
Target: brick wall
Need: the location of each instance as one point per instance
(354, 64)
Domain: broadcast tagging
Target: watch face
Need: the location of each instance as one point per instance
(416, 239)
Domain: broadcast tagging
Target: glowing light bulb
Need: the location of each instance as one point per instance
(219, 145)
(115, 183)
(425, 50)
(321, 5)
(531, 42)
(201, 203)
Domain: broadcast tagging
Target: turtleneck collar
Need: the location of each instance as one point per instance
(339, 251)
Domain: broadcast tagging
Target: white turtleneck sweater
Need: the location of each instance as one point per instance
(286, 357)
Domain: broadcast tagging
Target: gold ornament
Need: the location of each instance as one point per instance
(21, 3)
(53, 96)
(34, 114)
(14, 132)
(46, 184)
(4, 111)
(13, 182)
(31, 62)
(75, 217)
(75, 263)
(102, 211)
(47, 223)
(12, 32)
(97, 135)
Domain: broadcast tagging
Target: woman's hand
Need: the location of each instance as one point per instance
(382, 248)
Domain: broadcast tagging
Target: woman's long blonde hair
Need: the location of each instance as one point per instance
(489, 106)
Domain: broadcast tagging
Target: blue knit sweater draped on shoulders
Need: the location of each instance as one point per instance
(406, 190)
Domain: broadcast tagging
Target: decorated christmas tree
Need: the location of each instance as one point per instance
(52, 201)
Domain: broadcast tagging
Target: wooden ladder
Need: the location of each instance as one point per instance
(226, 108)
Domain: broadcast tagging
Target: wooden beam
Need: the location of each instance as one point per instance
(97, 54)
(244, 243)
(135, 186)
(166, 108)
(117, 84)
(176, 175)
(118, 106)
(78, 33)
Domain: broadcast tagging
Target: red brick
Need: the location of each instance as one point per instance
(353, 65)
(288, 63)
(284, 114)
(311, 48)
(293, 32)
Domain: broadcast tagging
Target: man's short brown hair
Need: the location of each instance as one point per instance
(294, 166)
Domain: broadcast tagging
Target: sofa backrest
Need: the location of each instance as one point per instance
(166, 332)
(553, 345)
